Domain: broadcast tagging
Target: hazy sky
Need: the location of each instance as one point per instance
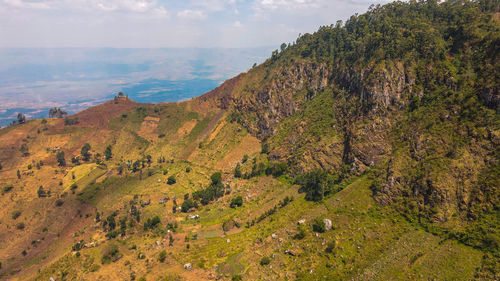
(166, 23)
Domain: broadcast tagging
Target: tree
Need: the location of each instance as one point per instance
(18, 174)
(171, 180)
(283, 47)
(107, 152)
(41, 192)
(265, 148)
(237, 171)
(187, 205)
(85, 152)
(216, 178)
(60, 158)
(57, 112)
(111, 222)
(236, 202)
(315, 184)
(21, 118)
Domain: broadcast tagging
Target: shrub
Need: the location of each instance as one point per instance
(236, 277)
(318, 225)
(188, 169)
(152, 223)
(41, 192)
(78, 246)
(330, 247)
(245, 158)
(60, 158)
(16, 214)
(20, 226)
(265, 148)
(107, 153)
(71, 121)
(110, 253)
(59, 202)
(171, 180)
(265, 261)
(301, 233)
(236, 202)
(187, 205)
(237, 171)
(7, 188)
(162, 256)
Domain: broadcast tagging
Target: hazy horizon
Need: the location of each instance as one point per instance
(32, 80)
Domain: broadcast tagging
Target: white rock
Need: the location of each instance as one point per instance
(274, 236)
(228, 240)
(302, 221)
(188, 266)
(328, 224)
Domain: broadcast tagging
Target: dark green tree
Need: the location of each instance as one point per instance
(107, 153)
(86, 152)
(60, 158)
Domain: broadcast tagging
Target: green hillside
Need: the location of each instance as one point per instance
(368, 150)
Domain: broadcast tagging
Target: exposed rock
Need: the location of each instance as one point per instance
(328, 224)
(188, 266)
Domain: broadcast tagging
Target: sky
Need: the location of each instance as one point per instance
(167, 23)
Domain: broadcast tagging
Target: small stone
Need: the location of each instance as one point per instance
(188, 266)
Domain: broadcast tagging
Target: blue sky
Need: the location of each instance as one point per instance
(166, 23)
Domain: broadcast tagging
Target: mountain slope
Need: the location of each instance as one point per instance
(387, 126)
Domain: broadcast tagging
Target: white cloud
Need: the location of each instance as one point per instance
(237, 24)
(139, 6)
(288, 4)
(191, 14)
(21, 4)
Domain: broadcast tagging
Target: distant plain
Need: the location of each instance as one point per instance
(32, 80)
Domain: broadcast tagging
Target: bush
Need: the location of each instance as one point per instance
(330, 247)
(71, 121)
(301, 233)
(318, 225)
(110, 253)
(265, 148)
(171, 180)
(236, 202)
(61, 158)
(265, 261)
(237, 277)
(162, 256)
(7, 188)
(212, 192)
(20, 226)
(16, 214)
(78, 246)
(237, 171)
(59, 202)
(152, 223)
(187, 205)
